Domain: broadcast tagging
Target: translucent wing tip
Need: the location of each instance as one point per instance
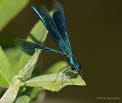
(57, 6)
(25, 46)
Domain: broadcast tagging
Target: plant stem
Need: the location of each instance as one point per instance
(11, 92)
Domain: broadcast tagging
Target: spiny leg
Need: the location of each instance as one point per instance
(59, 72)
(68, 79)
(64, 73)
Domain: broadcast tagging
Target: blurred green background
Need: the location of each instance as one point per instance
(95, 32)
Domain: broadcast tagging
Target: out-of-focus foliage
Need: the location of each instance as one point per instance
(5, 69)
(6, 41)
(13, 54)
(9, 9)
(37, 94)
(23, 99)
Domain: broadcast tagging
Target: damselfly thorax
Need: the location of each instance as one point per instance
(72, 62)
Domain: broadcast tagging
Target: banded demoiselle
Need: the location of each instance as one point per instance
(56, 27)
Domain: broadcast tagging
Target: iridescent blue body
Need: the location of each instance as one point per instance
(56, 27)
(72, 62)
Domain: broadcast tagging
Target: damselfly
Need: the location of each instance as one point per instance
(56, 27)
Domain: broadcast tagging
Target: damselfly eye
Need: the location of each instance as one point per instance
(73, 68)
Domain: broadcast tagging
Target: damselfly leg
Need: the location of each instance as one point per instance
(60, 71)
(64, 74)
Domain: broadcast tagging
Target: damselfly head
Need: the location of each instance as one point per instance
(77, 68)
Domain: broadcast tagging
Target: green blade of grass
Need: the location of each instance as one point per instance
(9, 9)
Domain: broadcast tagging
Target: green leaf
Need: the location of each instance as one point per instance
(56, 67)
(37, 93)
(9, 9)
(50, 82)
(40, 97)
(27, 63)
(23, 99)
(13, 54)
(6, 40)
(5, 70)
(11, 92)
